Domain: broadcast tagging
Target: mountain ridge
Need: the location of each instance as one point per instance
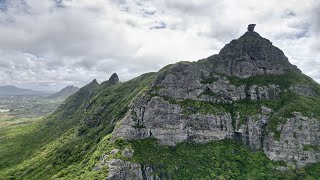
(229, 116)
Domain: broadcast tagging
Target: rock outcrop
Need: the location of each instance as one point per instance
(229, 95)
(299, 141)
(167, 123)
(114, 79)
(303, 90)
(251, 27)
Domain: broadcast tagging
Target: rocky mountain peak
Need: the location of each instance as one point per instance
(253, 45)
(114, 78)
(251, 49)
(94, 82)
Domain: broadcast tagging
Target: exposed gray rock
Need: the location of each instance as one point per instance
(251, 27)
(127, 153)
(303, 90)
(114, 79)
(264, 92)
(122, 170)
(253, 55)
(187, 84)
(157, 118)
(252, 132)
(226, 92)
(265, 110)
(114, 151)
(184, 83)
(298, 132)
(167, 123)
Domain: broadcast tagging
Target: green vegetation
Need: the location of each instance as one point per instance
(225, 159)
(23, 130)
(313, 170)
(12, 141)
(63, 143)
(290, 102)
(309, 147)
(193, 107)
(283, 80)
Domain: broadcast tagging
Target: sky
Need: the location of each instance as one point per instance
(49, 44)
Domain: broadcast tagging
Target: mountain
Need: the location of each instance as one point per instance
(65, 92)
(245, 113)
(9, 90)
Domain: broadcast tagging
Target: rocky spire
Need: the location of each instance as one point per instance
(94, 81)
(251, 27)
(114, 79)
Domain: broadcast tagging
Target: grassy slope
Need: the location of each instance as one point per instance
(12, 141)
(226, 159)
(27, 140)
(67, 144)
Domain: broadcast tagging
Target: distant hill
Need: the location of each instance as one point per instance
(65, 92)
(10, 90)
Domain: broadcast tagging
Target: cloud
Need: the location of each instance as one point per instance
(59, 42)
(315, 25)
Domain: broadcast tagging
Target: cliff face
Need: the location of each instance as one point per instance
(249, 92)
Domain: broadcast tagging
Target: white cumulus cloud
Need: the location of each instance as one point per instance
(49, 44)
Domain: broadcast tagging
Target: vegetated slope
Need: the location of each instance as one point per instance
(64, 93)
(248, 107)
(28, 140)
(68, 137)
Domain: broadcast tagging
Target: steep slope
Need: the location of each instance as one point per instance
(64, 93)
(72, 133)
(245, 113)
(37, 135)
